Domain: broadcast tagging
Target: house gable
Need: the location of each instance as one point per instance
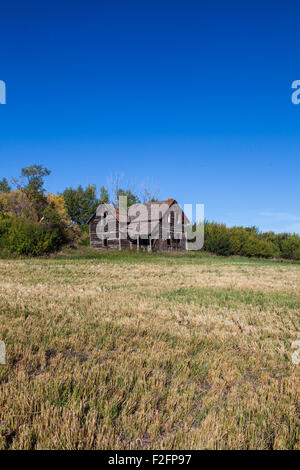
(160, 222)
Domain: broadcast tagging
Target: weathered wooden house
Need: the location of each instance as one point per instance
(159, 226)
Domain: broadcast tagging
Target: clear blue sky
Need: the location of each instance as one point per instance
(193, 98)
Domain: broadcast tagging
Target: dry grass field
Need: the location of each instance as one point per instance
(138, 351)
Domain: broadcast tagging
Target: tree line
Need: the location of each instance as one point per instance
(250, 242)
(35, 222)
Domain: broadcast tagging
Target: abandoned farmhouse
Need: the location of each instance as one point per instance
(158, 226)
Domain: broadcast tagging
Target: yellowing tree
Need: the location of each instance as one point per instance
(57, 203)
(18, 203)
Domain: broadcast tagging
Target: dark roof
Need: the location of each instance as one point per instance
(91, 218)
(169, 201)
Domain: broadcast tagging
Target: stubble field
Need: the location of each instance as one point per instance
(139, 351)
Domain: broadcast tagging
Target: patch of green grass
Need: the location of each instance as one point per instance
(231, 298)
(83, 254)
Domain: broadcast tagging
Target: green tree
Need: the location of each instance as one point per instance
(4, 186)
(34, 178)
(104, 197)
(31, 182)
(131, 197)
(72, 203)
(89, 203)
(81, 203)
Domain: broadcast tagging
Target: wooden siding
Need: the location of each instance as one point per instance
(167, 232)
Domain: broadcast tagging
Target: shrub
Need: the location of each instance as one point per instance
(84, 238)
(248, 241)
(257, 247)
(24, 237)
(216, 239)
(24, 230)
(290, 247)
